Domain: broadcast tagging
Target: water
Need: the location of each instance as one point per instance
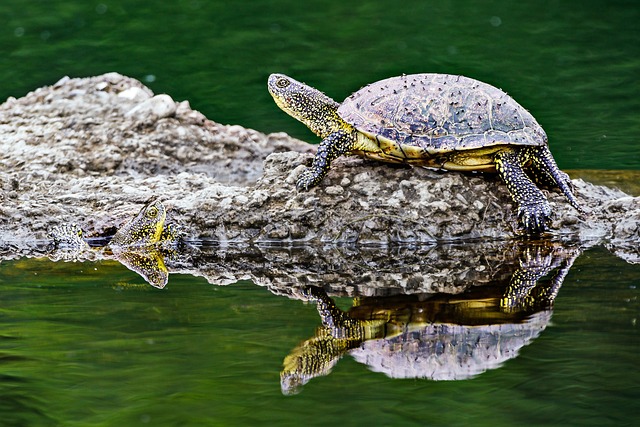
(93, 344)
(573, 64)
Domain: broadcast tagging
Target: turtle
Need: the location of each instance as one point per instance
(139, 244)
(442, 121)
(147, 228)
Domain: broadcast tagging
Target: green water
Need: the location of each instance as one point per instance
(92, 344)
(573, 64)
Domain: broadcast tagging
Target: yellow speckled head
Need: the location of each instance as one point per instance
(306, 104)
(144, 229)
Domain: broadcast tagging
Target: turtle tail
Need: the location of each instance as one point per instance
(545, 164)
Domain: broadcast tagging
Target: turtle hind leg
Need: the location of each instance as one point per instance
(337, 322)
(540, 176)
(332, 147)
(533, 207)
(547, 172)
(528, 289)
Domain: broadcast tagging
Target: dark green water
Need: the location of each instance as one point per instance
(573, 64)
(91, 344)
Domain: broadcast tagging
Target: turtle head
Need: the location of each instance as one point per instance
(152, 217)
(145, 228)
(306, 104)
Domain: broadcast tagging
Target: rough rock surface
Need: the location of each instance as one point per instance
(92, 150)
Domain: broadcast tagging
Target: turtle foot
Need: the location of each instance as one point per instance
(534, 217)
(67, 236)
(308, 178)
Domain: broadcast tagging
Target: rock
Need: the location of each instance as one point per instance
(88, 150)
(151, 110)
(134, 94)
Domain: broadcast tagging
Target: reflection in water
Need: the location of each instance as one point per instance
(138, 245)
(439, 337)
(148, 262)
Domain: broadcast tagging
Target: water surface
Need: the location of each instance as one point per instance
(92, 344)
(573, 64)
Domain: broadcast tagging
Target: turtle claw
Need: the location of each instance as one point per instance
(535, 217)
(306, 180)
(308, 293)
(302, 185)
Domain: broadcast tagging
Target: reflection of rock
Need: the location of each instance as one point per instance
(348, 271)
(628, 251)
(439, 337)
(341, 271)
(94, 149)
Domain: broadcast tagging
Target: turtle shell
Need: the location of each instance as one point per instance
(428, 114)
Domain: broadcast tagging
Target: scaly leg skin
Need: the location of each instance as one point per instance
(171, 235)
(548, 170)
(312, 358)
(533, 207)
(332, 147)
(339, 323)
(540, 176)
(535, 263)
(317, 355)
(524, 291)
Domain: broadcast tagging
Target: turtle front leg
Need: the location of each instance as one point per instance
(332, 147)
(533, 207)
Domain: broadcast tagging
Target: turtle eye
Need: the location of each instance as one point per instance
(282, 83)
(152, 212)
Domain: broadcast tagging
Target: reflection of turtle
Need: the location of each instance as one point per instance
(138, 244)
(438, 120)
(442, 337)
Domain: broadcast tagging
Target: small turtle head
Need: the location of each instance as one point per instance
(306, 104)
(151, 218)
(145, 228)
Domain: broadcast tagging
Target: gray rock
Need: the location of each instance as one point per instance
(87, 150)
(135, 94)
(152, 109)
